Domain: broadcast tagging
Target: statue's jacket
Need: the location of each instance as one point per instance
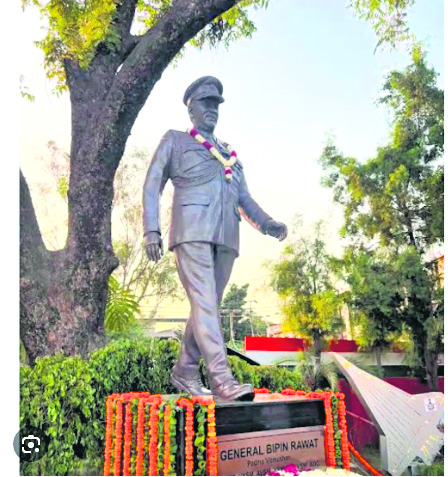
(206, 208)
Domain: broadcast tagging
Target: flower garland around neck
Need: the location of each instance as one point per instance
(227, 163)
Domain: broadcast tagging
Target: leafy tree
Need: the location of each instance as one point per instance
(375, 297)
(396, 198)
(109, 55)
(311, 305)
(238, 322)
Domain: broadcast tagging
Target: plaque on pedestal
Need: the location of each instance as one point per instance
(255, 437)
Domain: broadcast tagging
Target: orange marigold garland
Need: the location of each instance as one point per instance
(118, 436)
(127, 440)
(140, 436)
(212, 441)
(344, 435)
(154, 434)
(167, 440)
(109, 423)
(363, 461)
(134, 412)
(189, 433)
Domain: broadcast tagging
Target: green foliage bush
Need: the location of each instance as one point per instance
(436, 468)
(56, 396)
(66, 396)
(270, 377)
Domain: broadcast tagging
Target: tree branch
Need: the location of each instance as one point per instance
(129, 44)
(124, 15)
(147, 61)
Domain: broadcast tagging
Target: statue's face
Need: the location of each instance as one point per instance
(204, 113)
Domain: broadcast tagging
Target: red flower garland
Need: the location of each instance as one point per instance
(363, 461)
(189, 433)
(262, 391)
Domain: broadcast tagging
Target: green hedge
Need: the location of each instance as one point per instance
(56, 396)
(66, 396)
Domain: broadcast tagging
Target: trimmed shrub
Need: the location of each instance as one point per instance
(137, 365)
(271, 377)
(56, 396)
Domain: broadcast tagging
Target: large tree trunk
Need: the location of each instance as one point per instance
(63, 294)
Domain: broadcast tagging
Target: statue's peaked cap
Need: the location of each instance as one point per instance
(205, 87)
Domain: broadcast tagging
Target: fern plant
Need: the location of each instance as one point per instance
(121, 308)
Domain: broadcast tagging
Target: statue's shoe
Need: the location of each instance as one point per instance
(232, 391)
(189, 386)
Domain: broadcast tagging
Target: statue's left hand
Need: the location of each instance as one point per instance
(275, 229)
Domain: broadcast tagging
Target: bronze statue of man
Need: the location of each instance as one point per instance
(210, 195)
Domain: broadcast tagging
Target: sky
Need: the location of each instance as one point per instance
(309, 71)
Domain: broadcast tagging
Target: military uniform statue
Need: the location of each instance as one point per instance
(210, 196)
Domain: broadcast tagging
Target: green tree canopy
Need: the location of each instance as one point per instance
(397, 196)
(395, 200)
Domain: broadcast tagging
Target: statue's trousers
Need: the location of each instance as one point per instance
(204, 269)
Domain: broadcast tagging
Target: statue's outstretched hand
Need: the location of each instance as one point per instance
(154, 246)
(275, 229)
